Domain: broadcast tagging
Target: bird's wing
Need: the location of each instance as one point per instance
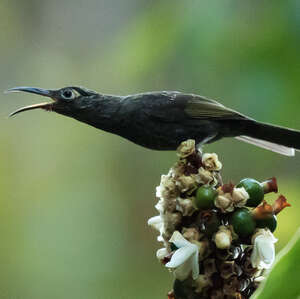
(173, 106)
(200, 107)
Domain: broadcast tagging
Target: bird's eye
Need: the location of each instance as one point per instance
(68, 94)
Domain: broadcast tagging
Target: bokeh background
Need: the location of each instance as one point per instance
(74, 201)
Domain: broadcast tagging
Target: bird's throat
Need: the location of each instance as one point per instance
(101, 112)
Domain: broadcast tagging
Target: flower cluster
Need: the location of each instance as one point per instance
(217, 238)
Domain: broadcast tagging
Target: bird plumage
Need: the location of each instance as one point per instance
(162, 120)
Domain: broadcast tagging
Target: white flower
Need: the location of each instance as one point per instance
(211, 162)
(161, 253)
(160, 206)
(239, 196)
(263, 253)
(185, 259)
(158, 191)
(157, 223)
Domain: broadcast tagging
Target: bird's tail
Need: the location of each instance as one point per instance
(277, 139)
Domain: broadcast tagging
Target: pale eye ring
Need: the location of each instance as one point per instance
(68, 94)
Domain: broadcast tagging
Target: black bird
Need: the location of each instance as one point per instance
(162, 120)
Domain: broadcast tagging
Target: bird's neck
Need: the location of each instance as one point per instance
(100, 112)
(104, 113)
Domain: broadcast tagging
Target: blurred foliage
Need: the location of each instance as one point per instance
(283, 280)
(74, 201)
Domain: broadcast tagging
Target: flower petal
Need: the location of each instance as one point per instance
(158, 191)
(161, 253)
(181, 255)
(156, 222)
(263, 254)
(160, 206)
(160, 239)
(178, 240)
(266, 251)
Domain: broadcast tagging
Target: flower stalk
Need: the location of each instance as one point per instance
(217, 238)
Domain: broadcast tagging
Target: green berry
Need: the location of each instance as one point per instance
(255, 191)
(243, 222)
(269, 222)
(205, 197)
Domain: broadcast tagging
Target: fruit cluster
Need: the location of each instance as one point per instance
(217, 237)
(244, 220)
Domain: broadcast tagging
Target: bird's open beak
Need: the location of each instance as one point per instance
(39, 91)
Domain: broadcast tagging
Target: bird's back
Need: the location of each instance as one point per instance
(161, 120)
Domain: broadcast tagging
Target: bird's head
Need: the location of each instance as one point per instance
(67, 100)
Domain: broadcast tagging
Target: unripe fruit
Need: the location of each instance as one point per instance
(205, 197)
(255, 191)
(242, 222)
(269, 222)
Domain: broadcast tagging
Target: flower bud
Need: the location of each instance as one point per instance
(211, 162)
(224, 203)
(239, 197)
(186, 148)
(223, 238)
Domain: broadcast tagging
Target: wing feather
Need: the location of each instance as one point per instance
(202, 108)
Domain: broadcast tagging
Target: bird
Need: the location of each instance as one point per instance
(161, 120)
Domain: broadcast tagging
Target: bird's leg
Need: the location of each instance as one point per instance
(219, 178)
(200, 145)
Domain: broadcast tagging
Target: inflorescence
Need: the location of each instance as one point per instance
(217, 238)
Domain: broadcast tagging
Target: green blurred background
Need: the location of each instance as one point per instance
(74, 201)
